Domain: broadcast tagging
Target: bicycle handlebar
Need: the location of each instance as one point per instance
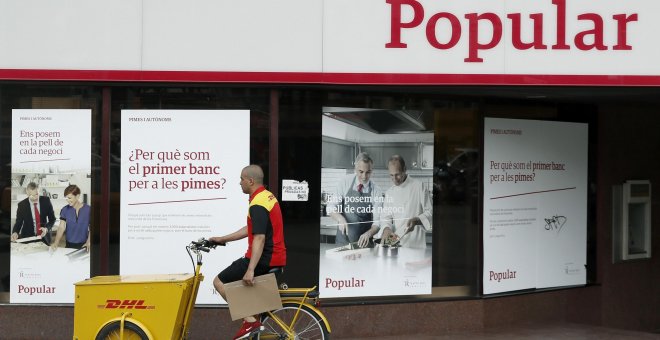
(204, 245)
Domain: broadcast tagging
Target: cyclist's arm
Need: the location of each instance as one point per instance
(258, 242)
(237, 235)
(260, 218)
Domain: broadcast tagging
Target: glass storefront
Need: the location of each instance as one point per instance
(287, 139)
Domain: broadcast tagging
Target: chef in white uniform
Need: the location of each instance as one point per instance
(407, 207)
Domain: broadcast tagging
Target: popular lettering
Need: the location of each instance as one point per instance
(499, 276)
(32, 290)
(477, 24)
(339, 284)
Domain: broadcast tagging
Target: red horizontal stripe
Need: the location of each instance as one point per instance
(328, 78)
(180, 201)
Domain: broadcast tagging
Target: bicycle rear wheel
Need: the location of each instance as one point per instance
(112, 331)
(308, 326)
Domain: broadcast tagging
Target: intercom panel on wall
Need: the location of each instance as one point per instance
(631, 220)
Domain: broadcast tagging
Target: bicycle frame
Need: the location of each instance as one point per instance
(300, 301)
(193, 297)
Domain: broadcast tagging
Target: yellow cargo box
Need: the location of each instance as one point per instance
(156, 304)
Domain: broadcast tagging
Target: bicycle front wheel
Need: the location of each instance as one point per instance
(307, 326)
(112, 331)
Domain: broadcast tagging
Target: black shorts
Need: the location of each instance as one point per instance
(237, 270)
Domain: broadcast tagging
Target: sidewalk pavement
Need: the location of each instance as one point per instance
(555, 331)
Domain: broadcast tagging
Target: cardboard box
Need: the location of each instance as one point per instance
(251, 300)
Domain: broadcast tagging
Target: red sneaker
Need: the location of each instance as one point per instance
(248, 328)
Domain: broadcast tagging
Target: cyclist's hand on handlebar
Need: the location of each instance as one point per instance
(217, 241)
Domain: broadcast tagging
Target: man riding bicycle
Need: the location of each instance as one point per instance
(265, 234)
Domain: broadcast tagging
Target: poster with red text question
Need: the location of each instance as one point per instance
(51, 149)
(180, 174)
(535, 204)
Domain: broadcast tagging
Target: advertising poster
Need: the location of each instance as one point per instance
(180, 174)
(51, 153)
(535, 204)
(366, 191)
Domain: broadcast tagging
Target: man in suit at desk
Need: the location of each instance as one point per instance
(34, 215)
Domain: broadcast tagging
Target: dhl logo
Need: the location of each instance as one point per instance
(125, 304)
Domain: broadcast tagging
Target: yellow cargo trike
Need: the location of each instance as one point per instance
(138, 306)
(155, 307)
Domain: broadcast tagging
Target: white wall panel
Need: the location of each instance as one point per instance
(329, 36)
(71, 34)
(246, 35)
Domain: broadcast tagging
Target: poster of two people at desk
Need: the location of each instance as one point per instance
(50, 176)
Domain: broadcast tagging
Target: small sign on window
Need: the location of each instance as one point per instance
(295, 191)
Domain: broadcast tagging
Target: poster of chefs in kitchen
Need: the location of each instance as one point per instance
(50, 204)
(376, 205)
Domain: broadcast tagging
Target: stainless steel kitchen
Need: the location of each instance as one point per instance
(378, 134)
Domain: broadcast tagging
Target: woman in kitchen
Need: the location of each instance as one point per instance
(355, 205)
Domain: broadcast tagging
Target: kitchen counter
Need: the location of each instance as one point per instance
(328, 226)
(402, 254)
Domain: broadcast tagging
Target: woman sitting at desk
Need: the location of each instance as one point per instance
(74, 221)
